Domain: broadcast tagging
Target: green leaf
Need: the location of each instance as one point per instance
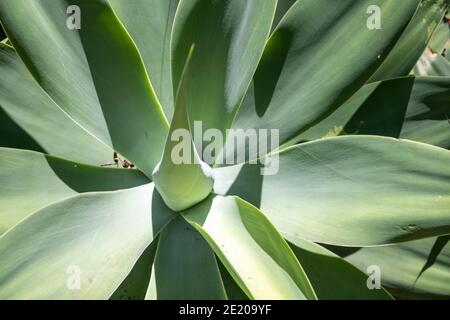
(96, 236)
(428, 112)
(440, 39)
(185, 266)
(432, 64)
(319, 56)
(401, 60)
(40, 119)
(150, 25)
(13, 136)
(234, 292)
(220, 73)
(182, 182)
(332, 277)
(31, 181)
(95, 74)
(282, 7)
(135, 285)
(412, 270)
(353, 190)
(411, 108)
(251, 249)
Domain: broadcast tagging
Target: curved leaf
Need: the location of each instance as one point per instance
(40, 118)
(298, 82)
(150, 25)
(440, 39)
(13, 136)
(401, 60)
(251, 249)
(219, 73)
(95, 73)
(413, 270)
(185, 266)
(31, 181)
(432, 64)
(182, 184)
(135, 285)
(332, 277)
(79, 248)
(410, 108)
(282, 7)
(353, 190)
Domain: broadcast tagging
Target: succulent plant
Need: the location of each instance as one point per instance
(93, 205)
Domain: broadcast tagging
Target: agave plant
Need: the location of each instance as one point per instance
(89, 83)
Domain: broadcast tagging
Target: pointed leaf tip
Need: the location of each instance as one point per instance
(181, 177)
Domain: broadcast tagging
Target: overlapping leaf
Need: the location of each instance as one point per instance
(94, 73)
(31, 181)
(229, 38)
(81, 248)
(354, 190)
(413, 270)
(315, 60)
(251, 249)
(35, 120)
(150, 25)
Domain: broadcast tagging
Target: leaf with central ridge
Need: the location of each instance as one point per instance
(319, 55)
(229, 38)
(150, 25)
(31, 181)
(95, 73)
(250, 248)
(352, 190)
(80, 248)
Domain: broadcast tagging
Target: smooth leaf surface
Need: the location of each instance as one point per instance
(27, 106)
(410, 108)
(427, 118)
(234, 292)
(251, 249)
(185, 266)
(150, 25)
(220, 73)
(332, 277)
(13, 136)
(182, 182)
(412, 270)
(95, 73)
(282, 7)
(401, 60)
(97, 237)
(135, 285)
(440, 39)
(353, 190)
(306, 72)
(31, 181)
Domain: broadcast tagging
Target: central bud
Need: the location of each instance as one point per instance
(182, 184)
